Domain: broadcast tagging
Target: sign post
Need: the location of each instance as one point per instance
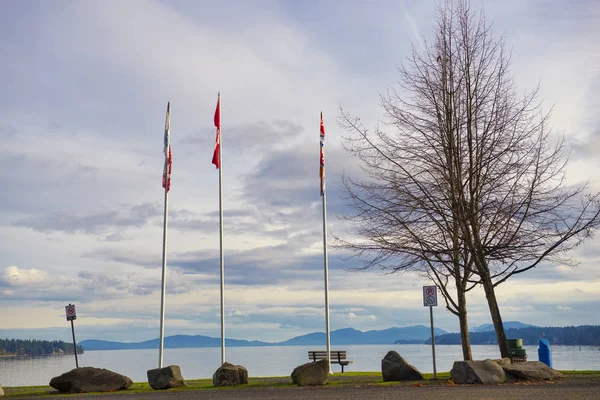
(71, 315)
(430, 300)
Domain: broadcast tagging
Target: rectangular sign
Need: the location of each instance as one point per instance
(70, 311)
(430, 296)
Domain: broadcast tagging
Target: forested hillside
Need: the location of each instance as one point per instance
(36, 347)
(585, 335)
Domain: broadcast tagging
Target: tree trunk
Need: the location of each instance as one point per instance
(490, 295)
(464, 326)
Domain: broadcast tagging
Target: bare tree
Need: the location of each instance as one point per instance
(403, 216)
(468, 183)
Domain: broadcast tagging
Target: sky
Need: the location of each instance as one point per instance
(83, 92)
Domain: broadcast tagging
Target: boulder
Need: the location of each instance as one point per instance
(486, 371)
(1, 392)
(243, 374)
(230, 375)
(532, 370)
(395, 368)
(311, 374)
(502, 361)
(165, 378)
(90, 379)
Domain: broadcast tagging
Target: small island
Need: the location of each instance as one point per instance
(585, 335)
(28, 348)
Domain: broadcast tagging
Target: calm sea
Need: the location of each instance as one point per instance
(266, 361)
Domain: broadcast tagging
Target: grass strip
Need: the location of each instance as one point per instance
(337, 379)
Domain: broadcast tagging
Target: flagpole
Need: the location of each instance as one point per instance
(326, 267)
(164, 282)
(221, 238)
(164, 250)
(325, 261)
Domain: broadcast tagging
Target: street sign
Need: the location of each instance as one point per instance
(430, 296)
(430, 300)
(71, 315)
(70, 311)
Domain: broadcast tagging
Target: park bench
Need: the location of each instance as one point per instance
(335, 357)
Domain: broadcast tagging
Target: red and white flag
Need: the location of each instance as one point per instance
(166, 180)
(215, 159)
(322, 157)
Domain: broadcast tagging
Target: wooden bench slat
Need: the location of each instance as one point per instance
(331, 358)
(335, 357)
(325, 352)
(325, 355)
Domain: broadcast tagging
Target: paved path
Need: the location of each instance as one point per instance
(562, 390)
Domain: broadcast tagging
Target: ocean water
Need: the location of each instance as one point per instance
(267, 361)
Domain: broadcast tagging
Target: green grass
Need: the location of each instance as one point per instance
(568, 373)
(144, 387)
(337, 379)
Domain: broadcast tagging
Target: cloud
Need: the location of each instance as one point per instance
(23, 277)
(7, 131)
(69, 222)
(251, 137)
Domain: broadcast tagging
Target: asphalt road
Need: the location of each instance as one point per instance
(537, 391)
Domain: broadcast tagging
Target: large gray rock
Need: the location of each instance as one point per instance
(243, 374)
(486, 371)
(532, 370)
(311, 374)
(90, 379)
(230, 375)
(395, 368)
(165, 378)
(502, 361)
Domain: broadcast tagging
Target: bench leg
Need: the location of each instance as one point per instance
(342, 368)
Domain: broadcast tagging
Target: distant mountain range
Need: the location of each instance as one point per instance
(476, 332)
(507, 325)
(584, 335)
(416, 334)
(409, 334)
(171, 342)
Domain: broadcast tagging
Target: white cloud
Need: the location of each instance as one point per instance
(24, 277)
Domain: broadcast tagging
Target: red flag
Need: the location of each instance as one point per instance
(322, 157)
(166, 181)
(215, 159)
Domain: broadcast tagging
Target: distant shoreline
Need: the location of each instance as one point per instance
(346, 344)
(34, 355)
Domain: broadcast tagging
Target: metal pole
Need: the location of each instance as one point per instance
(221, 238)
(165, 221)
(432, 341)
(326, 268)
(164, 280)
(74, 344)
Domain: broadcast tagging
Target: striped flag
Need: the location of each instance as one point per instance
(167, 130)
(166, 180)
(215, 159)
(322, 157)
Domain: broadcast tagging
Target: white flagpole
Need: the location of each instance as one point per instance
(326, 267)
(221, 237)
(164, 250)
(325, 262)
